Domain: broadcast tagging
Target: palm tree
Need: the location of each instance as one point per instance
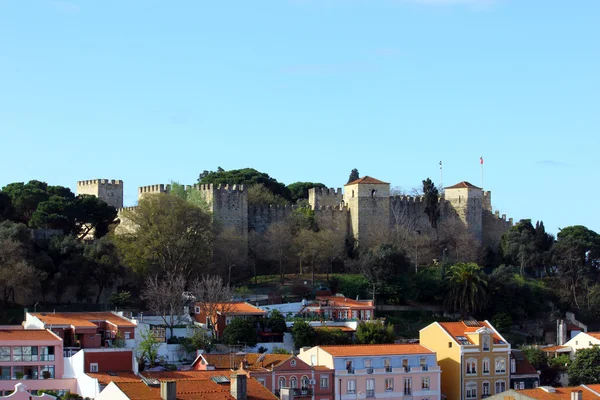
(466, 286)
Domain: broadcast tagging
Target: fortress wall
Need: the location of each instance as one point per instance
(318, 197)
(336, 219)
(494, 226)
(230, 206)
(108, 190)
(260, 217)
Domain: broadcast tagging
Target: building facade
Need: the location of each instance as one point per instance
(473, 356)
(224, 313)
(397, 371)
(339, 308)
(522, 373)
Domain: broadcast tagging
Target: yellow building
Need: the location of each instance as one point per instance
(473, 356)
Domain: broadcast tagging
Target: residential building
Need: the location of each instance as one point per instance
(33, 357)
(80, 330)
(226, 312)
(583, 340)
(473, 356)
(522, 373)
(379, 371)
(274, 371)
(206, 385)
(22, 392)
(338, 308)
(582, 392)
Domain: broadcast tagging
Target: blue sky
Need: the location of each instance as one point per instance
(305, 90)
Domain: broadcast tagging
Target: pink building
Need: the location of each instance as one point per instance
(339, 308)
(392, 371)
(33, 357)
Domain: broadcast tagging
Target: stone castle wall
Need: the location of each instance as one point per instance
(493, 227)
(109, 190)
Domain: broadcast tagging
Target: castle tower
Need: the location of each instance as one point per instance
(229, 205)
(109, 190)
(144, 191)
(468, 202)
(324, 197)
(369, 202)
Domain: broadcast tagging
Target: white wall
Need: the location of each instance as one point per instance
(581, 341)
(74, 368)
(112, 392)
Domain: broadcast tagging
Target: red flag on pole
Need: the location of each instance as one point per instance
(481, 160)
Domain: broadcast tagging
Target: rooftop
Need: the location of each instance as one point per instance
(340, 301)
(27, 334)
(460, 331)
(239, 307)
(463, 185)
(523, 365)
(557, 349)
(375, 349)
(255, 361)
(595, 335)
(83, 319)
(104, 378)
(333, 327)
(564, 393)
(367, 180)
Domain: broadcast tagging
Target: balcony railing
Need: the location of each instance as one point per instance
(369, 370)
(299, 392)
(370, 392)
(350, 370)
(424, 368)
(69, 351)
(407, 391)
(406, 368)
(388, 369)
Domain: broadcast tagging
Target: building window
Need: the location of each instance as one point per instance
(351, 386)
(349, 367)
(293, 382)
(47, 371)
(407, 386)
(486, 366)
(370, 387)
(387, 364)
(513, 366)
(261, 381)
(197, 310)
(47, 353)
(471, 392)
(500, 386)
(25, 353)
(522, 385)
(4, 373)
(324, 382)
(449, 345)
(369, 366)
(405, 365)
(293, 363)
(304, 382)
(93, 367)
(500, 365)
(425, 383)
(486, 389)
(423, 364)
(127, 335)
(471, 366)
(389, 384)
(281, 382)
(5, 353)
(486, 343)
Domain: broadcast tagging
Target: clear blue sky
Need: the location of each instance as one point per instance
(305, 90)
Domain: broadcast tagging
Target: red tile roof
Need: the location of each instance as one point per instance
(367, 180)
(460, 328)
(342, 302)
(195, 389)
(595, 335)
(375, 349)
(27, 334)
(563, 393)
(332, 328)
(240, 307)
(83, 319)
(225, 361)
(104, 378)
(554, 349)
(523, 365)
(463, 185)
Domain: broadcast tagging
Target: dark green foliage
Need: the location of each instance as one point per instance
(121, 299)
(354, 175)
(384, 264)
(276, 322)
(527, 247)
(198, 341)
(245, 176)
(466, 288)
(280, 350)
(303, 334)
(539, 360)
(6, 208)
(303, 218)
(325, 337)
(432, 209)
(585, 369)
(374, 332)
(102, 264)
(240, 331)
(299, 190)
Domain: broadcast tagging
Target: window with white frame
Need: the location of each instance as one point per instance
(389, 384)
(351, 386)
(324, 382)
(93, 367)
(127, 335)
(350, 366)
(304, 382)
(486, 343)
(471, 366)
(486, 388)
(197, 310)
(521, 385)
(425, 382)
(407, 386)
(500, 365)
(486, 366)
(293, 363)
(471, 390)
(500, 386)
(370, 387)
(387, 364)
(261, 381)
(293, 382)
(281, 382)
(513, 366)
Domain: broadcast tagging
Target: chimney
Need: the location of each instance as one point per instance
(168, 390)
(576, 394)
(238, 386)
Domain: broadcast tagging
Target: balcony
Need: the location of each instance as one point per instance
(407, 391)
(70, 351)
(424, 368)
(406, 368)
(369, 370)
(300, 392)
(388, 369)
(350, 370)
(370, 393)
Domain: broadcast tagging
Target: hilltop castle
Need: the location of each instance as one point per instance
(364, 211)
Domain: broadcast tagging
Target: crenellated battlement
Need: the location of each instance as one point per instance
(333, 208)
(92, 182)
(120, 210)
(152, 189)
(321, 191)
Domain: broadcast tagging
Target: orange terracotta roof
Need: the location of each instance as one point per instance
(225, 361)
(563, 393)
(27, 334)
(104, 378)
(595, 335)
(367, 180)
(523, 366)
(463, 185)
(339, 301)
(461, 329)
(83, 319)
(240, 307)
(553, 349)
(375, 349)
(322, 368)
(195, 390)
(332, 328)
(595, 387)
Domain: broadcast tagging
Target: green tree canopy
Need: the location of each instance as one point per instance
(299, 190)
(328, 337)
(276, 322)
(526, 246)
(246, 176)
(585, 369)
(354, 175)
(303, 334)
(240, 331)
(466, 288)
(374, 332)
(432, 207)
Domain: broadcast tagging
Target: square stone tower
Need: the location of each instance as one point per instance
(109, 190)
(468, 202)
(369, 202)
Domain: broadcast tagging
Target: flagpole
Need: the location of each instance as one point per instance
(481, 162)
(441, 175)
